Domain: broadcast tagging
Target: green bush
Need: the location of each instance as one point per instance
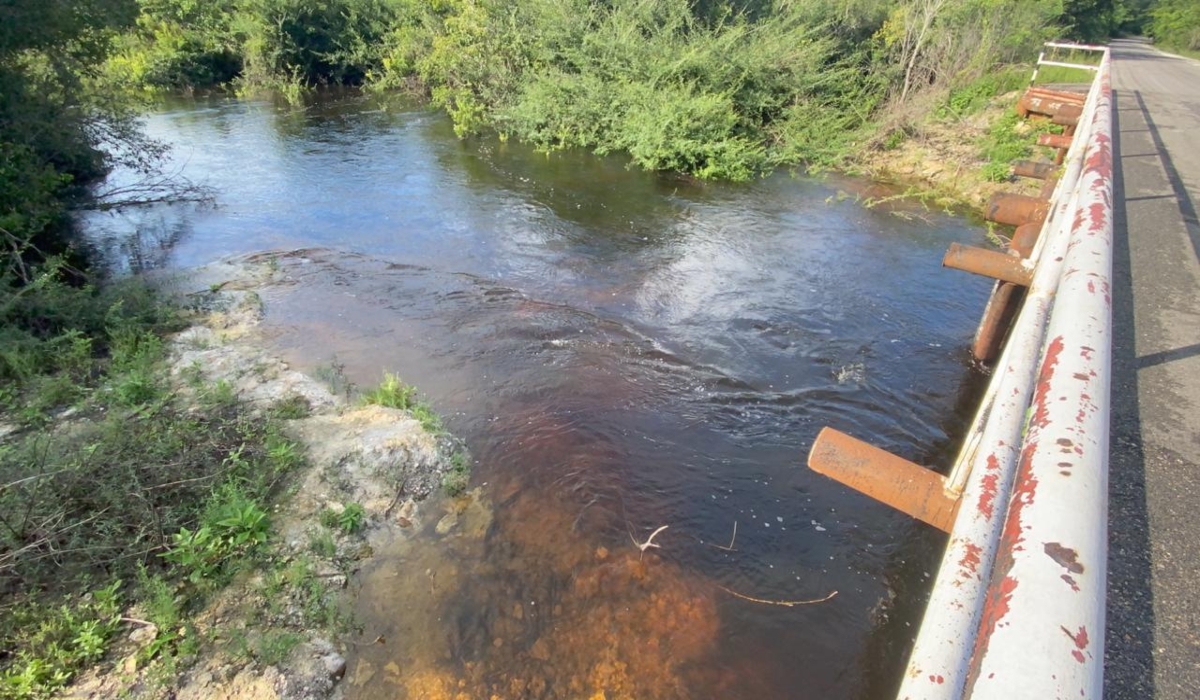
(1175, 24)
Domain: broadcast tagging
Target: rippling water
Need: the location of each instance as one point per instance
(621, 351)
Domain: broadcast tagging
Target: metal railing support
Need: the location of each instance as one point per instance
(994, 625)
(1044, 631)
(1017, 608)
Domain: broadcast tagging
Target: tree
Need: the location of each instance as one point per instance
(1175, 23)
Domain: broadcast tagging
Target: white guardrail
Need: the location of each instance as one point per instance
(1017, 609)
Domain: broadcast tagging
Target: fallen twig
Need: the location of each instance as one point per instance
(731, 540)
(643, 546)
(784, 603)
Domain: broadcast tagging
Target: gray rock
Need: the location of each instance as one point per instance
(335, 665)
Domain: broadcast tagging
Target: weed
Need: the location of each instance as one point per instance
(220, 395)
(321, 542)
(52, 643)
(283, 454)
(193, 375)
(350, 519)
(292, 407)
(274, 646)
(458, 476)
(972, 97)
(394, 393)
(334, 375)
(391, 393)
(232, 525)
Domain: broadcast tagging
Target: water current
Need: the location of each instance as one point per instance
(620, 350)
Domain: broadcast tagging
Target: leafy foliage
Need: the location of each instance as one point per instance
(1009, 139)
(350, 519)
(718, 89)
(52, 643)
(1175, 24)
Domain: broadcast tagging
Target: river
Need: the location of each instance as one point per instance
(620, 350)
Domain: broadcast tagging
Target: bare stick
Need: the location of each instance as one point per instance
(784, 603)
(643, 546)
(731, 540)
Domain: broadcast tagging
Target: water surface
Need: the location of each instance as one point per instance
(620, 350)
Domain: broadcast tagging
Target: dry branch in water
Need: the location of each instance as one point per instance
(784, 603)
(731, 540)
(643, 546)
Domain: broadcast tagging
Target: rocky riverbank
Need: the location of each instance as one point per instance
(279, 630)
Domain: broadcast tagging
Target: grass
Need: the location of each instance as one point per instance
(973, 97)
(456, 479)
(292, 407)
(134, 495)
(1057, 75)
(1010, 139)
(394, 393)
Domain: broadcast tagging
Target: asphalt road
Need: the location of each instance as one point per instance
(1153, 637)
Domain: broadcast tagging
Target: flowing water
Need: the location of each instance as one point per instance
(620, 351)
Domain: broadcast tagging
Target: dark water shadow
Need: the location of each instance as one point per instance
(1129, 638)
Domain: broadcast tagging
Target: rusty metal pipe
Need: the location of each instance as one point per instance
(989, 263)
(1047, 106)
(1047, 189)
(1015, 209)
(1060, 141)
(1037, 169)
(899, 483)
(1025, 238)
(1063, 95)
(993, 328)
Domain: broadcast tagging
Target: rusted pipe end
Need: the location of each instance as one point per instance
(903, 485)
(1015, 209)
(989, 263)
(1025, 238)
(1054, 141)
(1038, 169)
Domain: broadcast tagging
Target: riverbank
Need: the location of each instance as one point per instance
(249, 604)
(949, 162)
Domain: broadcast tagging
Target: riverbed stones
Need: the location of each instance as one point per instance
(448, 522)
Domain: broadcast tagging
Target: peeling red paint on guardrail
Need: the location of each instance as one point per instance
(1017, 609)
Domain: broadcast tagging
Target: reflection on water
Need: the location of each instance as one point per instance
(621, 351)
